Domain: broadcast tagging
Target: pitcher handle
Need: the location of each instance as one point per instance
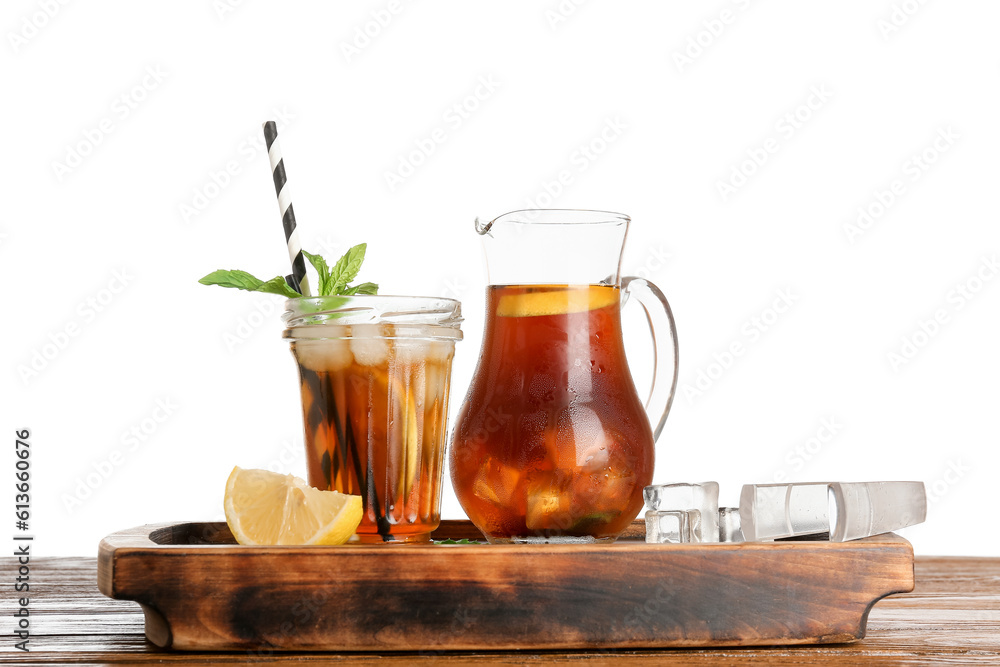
(659, 317)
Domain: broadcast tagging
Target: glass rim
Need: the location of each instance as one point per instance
(565, 216)
(374, 297)
(412, 316)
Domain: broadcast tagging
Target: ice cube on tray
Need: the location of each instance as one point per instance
(834, 511)
(704, 498)
(672, 526)
(843, 510)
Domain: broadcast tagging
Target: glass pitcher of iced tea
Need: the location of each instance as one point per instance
(553, 443)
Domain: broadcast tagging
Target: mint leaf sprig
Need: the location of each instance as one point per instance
(335, 281)
(244, 281)
(332, 282)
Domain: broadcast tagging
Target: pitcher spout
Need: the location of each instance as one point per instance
(483, 228)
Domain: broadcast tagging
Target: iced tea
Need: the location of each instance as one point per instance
(552, 442)
(375, 409)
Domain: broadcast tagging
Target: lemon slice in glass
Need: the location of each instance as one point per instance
(264, 508)
(557, 301)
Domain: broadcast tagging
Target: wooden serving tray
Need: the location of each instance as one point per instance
(201, 591)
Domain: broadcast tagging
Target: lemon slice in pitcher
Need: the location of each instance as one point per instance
(557, 300)
(264, 508)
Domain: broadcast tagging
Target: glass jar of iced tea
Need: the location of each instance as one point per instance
(374, 374)
(553, 442)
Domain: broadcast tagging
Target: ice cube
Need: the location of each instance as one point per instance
(370, 344)
(702, 497)
(773, 511)
(672, 526)
(729, 525)
(549, 501)
(495, 482)
(412, 350)
(872, 508)
(843, 510)
(327, 355)
(679, 496)
(441, 351)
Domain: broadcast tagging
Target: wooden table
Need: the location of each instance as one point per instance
(952, 617)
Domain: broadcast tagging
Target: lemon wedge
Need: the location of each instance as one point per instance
(557, 301)
(264, 508)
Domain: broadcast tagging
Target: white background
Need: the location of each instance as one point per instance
(892, 78)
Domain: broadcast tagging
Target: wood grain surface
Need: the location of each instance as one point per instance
(200, 591)
(952, 617)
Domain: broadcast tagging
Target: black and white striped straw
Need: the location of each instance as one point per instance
(297, 280)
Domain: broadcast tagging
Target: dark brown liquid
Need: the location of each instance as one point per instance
(376, 429)
(552, 440)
